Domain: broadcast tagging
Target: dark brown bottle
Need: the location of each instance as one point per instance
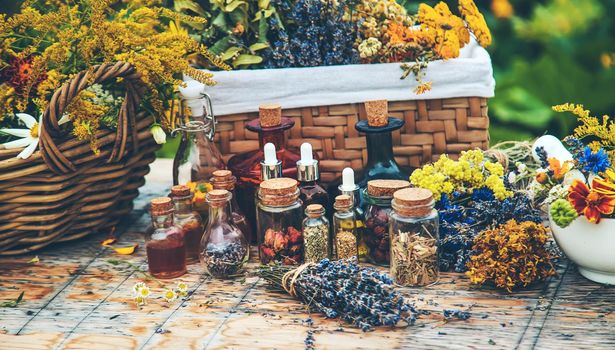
(164, 242)
(310, 191)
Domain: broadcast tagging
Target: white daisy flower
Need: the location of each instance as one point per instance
(29, 137)
(170, 295)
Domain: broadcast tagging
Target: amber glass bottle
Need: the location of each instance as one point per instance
(164, 242)
(224, 180)
(188, 220)
(270, 127)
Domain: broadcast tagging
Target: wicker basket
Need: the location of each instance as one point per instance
(432, 127)
(64, 191)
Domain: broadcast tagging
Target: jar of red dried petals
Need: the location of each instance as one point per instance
(378, 196)
(279, 216)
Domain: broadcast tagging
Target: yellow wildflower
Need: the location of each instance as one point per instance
(502, 8)
(423, 88)
(476, 22)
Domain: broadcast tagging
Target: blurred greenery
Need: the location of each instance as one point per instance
(545, 52)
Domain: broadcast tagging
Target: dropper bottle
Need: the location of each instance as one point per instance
(271, 167)
(310, 191)
(350, 188)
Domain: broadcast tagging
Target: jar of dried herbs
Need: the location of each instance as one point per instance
(345, 243)
(378, 196)
(414, 238)
(279, 218)
(315, 234)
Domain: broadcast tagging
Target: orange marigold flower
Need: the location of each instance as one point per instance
(559, 169)
(590, 202)
(542, 177)
(398, 33)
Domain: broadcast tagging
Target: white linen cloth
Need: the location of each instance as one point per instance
(241, 91)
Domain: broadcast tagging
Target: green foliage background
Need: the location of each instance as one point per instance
(548, 52)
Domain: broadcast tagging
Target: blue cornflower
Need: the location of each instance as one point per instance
(593, 162)
(483, 194)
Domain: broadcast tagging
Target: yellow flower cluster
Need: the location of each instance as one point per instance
(470, 172)
(476, 22)
(86, 116)
(71, 36)
(601, 130)
(510, 256)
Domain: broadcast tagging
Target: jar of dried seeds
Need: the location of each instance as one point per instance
(344, 228)
(279, 217)
(315, 234)
(414, 238)
(378, 195)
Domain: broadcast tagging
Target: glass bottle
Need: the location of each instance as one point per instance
(197, 156)
(378, 196)
(378, 129)
(164, 242)
(279, 216)
(414, 238)
(224, 180)
(315, 234)
(345, 242)
(188, 220)
(349, 188)
(224, 248)
(310, 191)
(271, 128)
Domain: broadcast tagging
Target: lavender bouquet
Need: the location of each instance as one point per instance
(342, 289)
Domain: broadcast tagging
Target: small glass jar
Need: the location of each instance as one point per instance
(315, 234)
(345, 242)
(378, 196)
(224, 180)
(188, 220)
(279, 217)
(224, 249)
(414, 238)
(164, 242)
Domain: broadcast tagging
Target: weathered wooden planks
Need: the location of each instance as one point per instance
(75, 299)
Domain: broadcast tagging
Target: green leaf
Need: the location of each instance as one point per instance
(230, 52)
(220, 22)
(246, 59)
(183, 5)
(263, 28)
(258, 46)
(233, 5)
(12, 303)
(263, 4)
(221, 45)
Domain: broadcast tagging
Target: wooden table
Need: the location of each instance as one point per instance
(74, 298)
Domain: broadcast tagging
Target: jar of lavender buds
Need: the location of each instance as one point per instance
(224, 248)
(414, 237)
(378, 196)
(279, 218)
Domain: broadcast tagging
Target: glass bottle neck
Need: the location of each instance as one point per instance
(276, 137)
(379, 147)
(182, 205)
(220, 212)
(162, 221)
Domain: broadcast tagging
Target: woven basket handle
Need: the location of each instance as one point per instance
(50, 130)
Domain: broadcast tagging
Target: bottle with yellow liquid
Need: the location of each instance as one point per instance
(350, 188)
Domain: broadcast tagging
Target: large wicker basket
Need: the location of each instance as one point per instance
(64, 191)
(432, 127)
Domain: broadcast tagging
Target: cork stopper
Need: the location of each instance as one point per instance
(377, 113)
(385, 188)
(278, 192)
(161, 205)
(278, 186)
(218, 198)
(223, 180)
(413, 202)
(180, 191)
(314, 210)
(343, 201)
(270, 115)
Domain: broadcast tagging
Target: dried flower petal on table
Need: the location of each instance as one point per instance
(126, 250)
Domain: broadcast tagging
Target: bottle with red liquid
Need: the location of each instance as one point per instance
(188, 220)
(164, 242)
(270, 127)
(224, 180)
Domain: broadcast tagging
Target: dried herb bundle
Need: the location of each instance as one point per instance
(511, 255)
(360, 296)
(414, 259)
